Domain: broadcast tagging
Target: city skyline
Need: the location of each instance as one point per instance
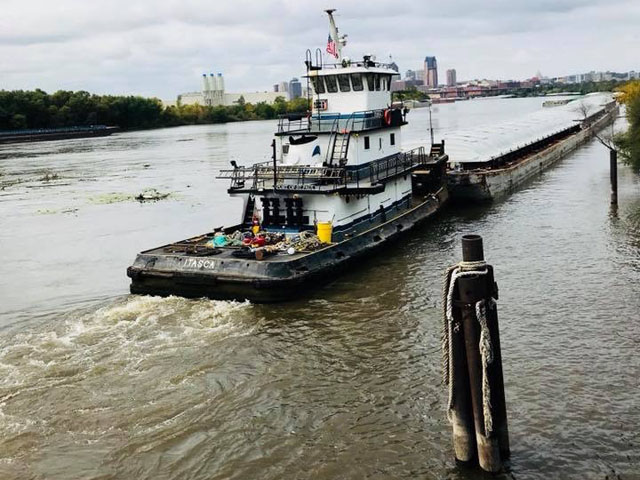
(125, 48)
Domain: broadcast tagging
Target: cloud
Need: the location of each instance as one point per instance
(160, 48)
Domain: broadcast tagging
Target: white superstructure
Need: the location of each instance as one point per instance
(342, 161)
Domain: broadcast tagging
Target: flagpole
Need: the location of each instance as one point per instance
(333, 30)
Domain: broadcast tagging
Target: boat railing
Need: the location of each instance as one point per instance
(321, 178)
(329, 123)
(358, 63)
(380, 170)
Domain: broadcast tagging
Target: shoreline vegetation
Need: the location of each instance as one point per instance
(628, 142)
(412, 93)
(37, 109)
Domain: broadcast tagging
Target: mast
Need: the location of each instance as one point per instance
(333, 30)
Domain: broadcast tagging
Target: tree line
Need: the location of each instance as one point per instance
(412, 93)
(34, 109)
(628, 142)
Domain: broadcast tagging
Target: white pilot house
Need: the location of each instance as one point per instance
(342, 162)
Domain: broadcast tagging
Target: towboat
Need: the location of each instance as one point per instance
(337, 187)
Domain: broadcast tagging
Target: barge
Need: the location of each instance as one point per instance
(337, 187)
(475, 175)
(46, 134)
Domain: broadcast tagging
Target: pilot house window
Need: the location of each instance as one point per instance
(318, 85)
(377, 77)
(366, 143)
(343, 81)
(332, 85)
(392, 139)
(370, 82)
(356, 82)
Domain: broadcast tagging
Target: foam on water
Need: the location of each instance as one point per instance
(51, 372)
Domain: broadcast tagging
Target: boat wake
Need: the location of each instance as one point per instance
(91, 375)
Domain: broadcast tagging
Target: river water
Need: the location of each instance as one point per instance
(345, 383)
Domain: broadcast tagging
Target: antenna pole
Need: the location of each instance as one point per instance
(275, 165)
(430, 123)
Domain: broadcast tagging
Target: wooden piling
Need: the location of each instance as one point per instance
(613, 170)
(461, 413)
(475, 310)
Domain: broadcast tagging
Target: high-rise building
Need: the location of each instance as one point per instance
(410, 75)
(430, 72)
(283, 87)
(295, 89)
(276, 88)
(451, 77)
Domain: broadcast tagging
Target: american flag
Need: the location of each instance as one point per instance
(331, 47)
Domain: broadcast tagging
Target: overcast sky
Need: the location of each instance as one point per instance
(161, 47)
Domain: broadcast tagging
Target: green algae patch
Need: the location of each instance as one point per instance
(147, 195)
(114, 197)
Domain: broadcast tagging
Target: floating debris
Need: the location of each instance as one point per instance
(151, 195)
(49, 176)
(147, 195)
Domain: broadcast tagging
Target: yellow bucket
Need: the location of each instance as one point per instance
(324, 231)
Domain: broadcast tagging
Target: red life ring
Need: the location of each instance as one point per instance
(387, 116)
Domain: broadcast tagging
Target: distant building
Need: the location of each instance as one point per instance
(430, 72)
(283, 87)
(451, 77)
(410, 75)
(295, 89)
(251, 97)
(276, 88)
(397, 85)
(213, 94)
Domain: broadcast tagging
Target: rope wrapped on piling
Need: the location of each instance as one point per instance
(449, 326)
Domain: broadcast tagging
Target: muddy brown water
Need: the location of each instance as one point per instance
(344, 383)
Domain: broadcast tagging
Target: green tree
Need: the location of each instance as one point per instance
(19, 121)
(628, 143)
(264, 111)
(298, 105)
(280, 105)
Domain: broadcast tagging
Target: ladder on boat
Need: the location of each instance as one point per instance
(339, 142)
(248, 213)
(437, 149)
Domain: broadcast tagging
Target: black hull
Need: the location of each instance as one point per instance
(45, 137)
(269, 281)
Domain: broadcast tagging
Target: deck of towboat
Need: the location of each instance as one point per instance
(196, 248)
(184, 271)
